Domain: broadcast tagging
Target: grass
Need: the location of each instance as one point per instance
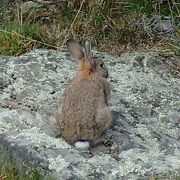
(10, 169)
(12, 174)
(113, 26)
(16, 39)
(164, 177)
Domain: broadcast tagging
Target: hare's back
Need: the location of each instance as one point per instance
(79, 110)
(82, 98)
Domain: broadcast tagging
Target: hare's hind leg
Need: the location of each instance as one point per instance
(103, 119)
(103, 122)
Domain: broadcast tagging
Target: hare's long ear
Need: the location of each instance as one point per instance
(88, 52)
(75, 49)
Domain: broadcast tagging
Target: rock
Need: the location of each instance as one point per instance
(145, 134)
(26, 6)
(159, 26)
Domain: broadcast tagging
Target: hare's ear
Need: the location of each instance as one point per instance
(88, 53)
(75, 49)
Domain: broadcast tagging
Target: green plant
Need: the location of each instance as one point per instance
(10, 170)
(18, 38)
(162, 177)
(14, 169)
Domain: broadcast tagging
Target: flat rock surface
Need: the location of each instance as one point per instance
(145, 135)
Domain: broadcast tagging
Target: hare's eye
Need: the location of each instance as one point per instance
(102, 65)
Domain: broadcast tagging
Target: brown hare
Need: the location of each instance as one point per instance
(84, 114)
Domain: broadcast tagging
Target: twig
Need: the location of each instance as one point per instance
(175, 47)
(29, 39)
(170, 10)
(72, 24)
(174, 3)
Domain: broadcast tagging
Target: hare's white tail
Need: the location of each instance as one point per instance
(82, 144)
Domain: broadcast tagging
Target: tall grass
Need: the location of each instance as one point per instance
(16, 39)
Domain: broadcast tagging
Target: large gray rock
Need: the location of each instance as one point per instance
(145, 105)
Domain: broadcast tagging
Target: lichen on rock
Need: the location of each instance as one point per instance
(144, 102)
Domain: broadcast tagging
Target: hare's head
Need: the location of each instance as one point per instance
(88, 64)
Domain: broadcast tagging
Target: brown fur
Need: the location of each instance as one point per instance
(85, 68)
(84, 112)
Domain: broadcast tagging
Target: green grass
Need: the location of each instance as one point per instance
(164, 177)
(16, 38)
(11, 173)
(10, 169)
(14, 169)
(148, 8)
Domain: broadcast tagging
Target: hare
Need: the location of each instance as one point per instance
(84, 114)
